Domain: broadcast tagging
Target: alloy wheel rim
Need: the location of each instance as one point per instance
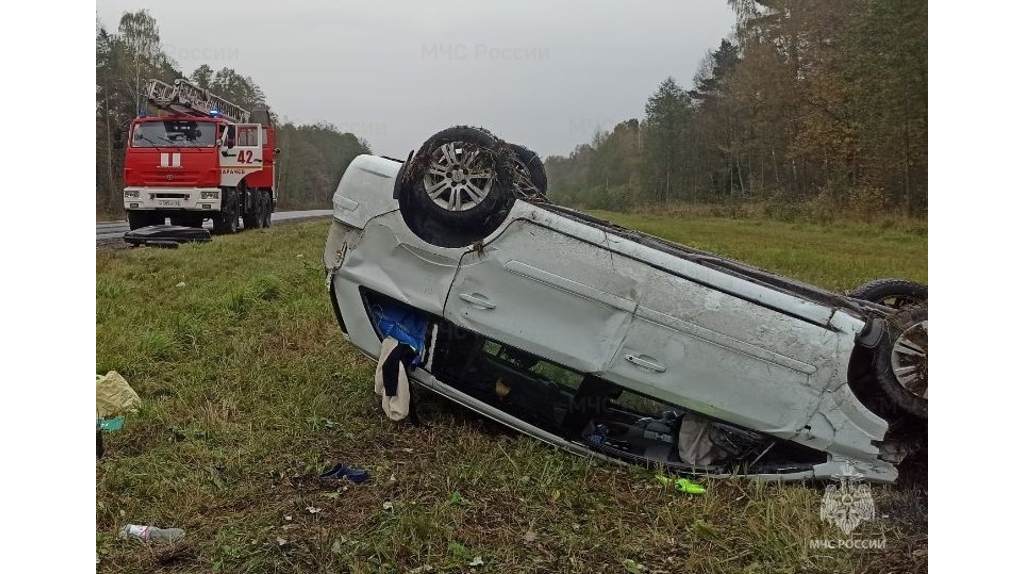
(909, 359)
(460, 177)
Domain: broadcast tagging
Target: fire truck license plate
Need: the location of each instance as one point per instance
(169, 202)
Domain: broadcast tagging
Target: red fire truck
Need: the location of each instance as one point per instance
(201, 158)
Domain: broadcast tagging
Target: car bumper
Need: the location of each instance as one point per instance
(162, 198)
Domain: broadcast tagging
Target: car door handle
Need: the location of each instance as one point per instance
(645, 362)
(477, 300)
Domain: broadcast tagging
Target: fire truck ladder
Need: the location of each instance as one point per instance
(187, 98)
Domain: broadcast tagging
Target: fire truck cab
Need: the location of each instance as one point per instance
(202, 158)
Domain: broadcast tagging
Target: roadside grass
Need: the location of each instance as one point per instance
(250, 391)
(838, 256)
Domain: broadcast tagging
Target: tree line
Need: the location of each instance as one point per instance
(312, 159)
(807, 101)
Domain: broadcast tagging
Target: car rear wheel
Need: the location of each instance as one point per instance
(901, 360)
(461, 180)
(895, 293)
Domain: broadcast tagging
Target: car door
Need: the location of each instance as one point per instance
(561, 296)
(241, 152)
(724, 355)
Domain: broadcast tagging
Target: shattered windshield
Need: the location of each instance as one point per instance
(180, 133)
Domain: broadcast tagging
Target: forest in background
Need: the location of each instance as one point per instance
(821, 104)
(816, 105)
(312, 157)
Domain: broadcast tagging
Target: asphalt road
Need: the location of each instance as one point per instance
(116, 229)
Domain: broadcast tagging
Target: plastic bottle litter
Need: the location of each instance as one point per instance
(152, 533)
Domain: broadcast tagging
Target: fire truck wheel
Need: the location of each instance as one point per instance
(232, 224)
(250, 219)
(259, 215)
(251, 216)
(226, 221)
(268, 208)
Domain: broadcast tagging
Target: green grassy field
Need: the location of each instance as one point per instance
(838, 256)
(250, 391)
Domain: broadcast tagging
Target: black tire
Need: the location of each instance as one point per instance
(258, 217)
(457, 167)
(264, 212)
(528, 164)
(895, 293)
(139, 219)
(904, 348)
(250, 213)
(226, 221)
(268, 209)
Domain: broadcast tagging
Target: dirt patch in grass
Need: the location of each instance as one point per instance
(250, 392)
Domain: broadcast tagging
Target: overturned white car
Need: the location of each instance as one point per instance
(612, 343)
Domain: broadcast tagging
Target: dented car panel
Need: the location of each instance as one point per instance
(521, 275)
(687, 328)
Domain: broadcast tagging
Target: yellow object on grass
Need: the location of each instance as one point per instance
(114, 396)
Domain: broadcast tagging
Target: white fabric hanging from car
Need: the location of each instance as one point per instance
(695, 445)
(391, 381)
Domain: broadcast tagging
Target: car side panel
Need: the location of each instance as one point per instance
(725, 356)
(548, 294)
(681, 363)
(805, 346)
(387, 258)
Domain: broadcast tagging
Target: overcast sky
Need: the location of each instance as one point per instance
(543, 74)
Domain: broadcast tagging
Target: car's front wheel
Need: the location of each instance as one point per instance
(459, 184)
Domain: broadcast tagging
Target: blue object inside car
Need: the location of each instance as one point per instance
(403, 324)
